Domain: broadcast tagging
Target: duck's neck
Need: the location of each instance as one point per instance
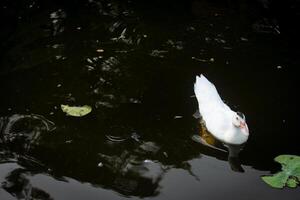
(235, 136)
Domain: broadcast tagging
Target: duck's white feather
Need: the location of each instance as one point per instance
(216, 114)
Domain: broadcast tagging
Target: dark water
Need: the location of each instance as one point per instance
(135, 64)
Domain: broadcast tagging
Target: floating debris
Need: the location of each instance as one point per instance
(135, 101)
(135, 137)
(244, 39)
(177, 45)
(55, 46)
(100, 50)
(158, 53)
(89, 60)
(104, 104)
(207, 39)
(109, 96)
(165, 154)
(199, 59)
(58, 57)
(178, 117)
(227, 48)
(219, 40)
(76, 111)
(190, 28)
(100, 164)
(90, 68)
(109, 64)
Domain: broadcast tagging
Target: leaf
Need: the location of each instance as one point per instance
(277, 181)
(290, 174)
(290, 164)
(76, 111)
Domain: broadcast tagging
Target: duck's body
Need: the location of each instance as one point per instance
(223, 123)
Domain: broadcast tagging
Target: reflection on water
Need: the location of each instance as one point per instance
(17, 184)
(135, 64)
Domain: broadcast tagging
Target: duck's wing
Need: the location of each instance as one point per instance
(218, 121)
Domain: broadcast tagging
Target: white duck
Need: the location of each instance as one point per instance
(224, 124)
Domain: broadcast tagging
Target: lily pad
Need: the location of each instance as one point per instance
(76, 111)
(290, 174)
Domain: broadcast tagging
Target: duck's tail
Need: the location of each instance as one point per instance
(206, 92)
(203, 88)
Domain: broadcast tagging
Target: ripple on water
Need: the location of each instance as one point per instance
(24, 130)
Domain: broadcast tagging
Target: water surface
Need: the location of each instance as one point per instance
(135, 64)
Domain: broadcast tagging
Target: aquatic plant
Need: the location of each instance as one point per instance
(290, 174)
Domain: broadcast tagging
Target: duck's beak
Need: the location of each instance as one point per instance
(243, 125)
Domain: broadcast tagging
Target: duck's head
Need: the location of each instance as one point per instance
(239, 121)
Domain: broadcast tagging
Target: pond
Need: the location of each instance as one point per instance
(135, 64)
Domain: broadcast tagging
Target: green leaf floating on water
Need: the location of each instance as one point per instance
(76, 111)
(290, 174)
